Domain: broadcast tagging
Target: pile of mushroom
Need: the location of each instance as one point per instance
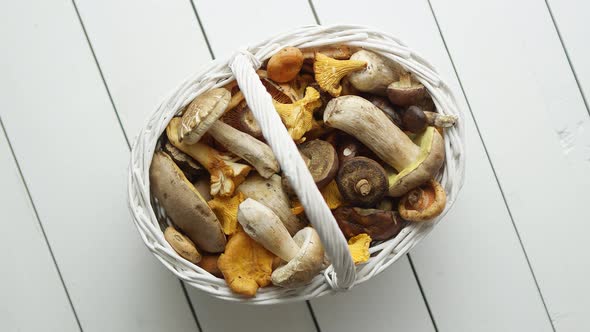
(368, 131)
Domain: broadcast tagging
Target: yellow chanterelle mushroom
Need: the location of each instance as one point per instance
(329, 72)
(298, 116)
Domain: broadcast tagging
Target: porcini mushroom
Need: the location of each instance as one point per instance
(305, 265)
(383, 104)
(416, 162)
(406, 91)
(265, 227)
(225, 174)
(284, 65)
(362, 181)
(303, 253)
(321, 159)
(298, 116)
(270, 193)
(379, 224)
(184, 205)
(339, 52)
(378, 74)
(440, 120)
(201, 113)
(329, 72)
(424, 202)
(255, 152)
(182, 245)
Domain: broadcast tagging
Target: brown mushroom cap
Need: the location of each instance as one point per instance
(362, 181)
(285, 64)
(182, 245)
(201, 113)
(424, 202)
(305, 265)
(406, 91)
(242, 119)
(380, 225)
(383, 104)
(209, 264)
(414, 119)
(323, 161)
(184, 205)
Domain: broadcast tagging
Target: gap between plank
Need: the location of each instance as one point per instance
(309, 307)
(567, 56)
(492, 166)
(22, 177)
(182, 285)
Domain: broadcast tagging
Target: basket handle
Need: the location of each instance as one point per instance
(244, 65)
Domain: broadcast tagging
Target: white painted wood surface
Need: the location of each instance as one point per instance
(74, 159)
(473, 271)
(30, 281)
(537, 131)
(571, 18)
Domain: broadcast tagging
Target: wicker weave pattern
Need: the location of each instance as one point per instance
(342, 274)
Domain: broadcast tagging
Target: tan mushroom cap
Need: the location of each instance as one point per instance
(424, 202)
(184, 204)
(201, 113)
(306, 265)
(429, 161)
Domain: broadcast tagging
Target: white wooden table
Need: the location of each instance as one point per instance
(78, 79)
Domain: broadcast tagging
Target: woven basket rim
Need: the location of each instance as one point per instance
(146, 216)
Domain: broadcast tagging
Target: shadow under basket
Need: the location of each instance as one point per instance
(342, 274)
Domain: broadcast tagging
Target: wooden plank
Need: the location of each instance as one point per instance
(571, 20)
(537, 131)
(457, 265)
(177, 47)
(224, 40)
(74, 157)
(30, 280)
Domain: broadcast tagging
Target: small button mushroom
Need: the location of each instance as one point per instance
(380, 225)
(188, 165)
(285, 64)
(406, 91)
(414, 120)
(424, 202)
(184, 205)
(416, 162)
(298, 116)
(378, 74)
(322, 161)
(243, 120)
(225, 174)
(329, 72)
(182, 245)
(303, 253)
(383, 104)
(362, 181)
(270, 193)
(201, 113)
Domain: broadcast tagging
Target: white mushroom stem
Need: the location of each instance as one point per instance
(255, 152)
(440, 120)
(363, 120)
(270, 193)
(265, 227)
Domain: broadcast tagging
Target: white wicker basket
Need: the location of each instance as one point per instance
(342, 274)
